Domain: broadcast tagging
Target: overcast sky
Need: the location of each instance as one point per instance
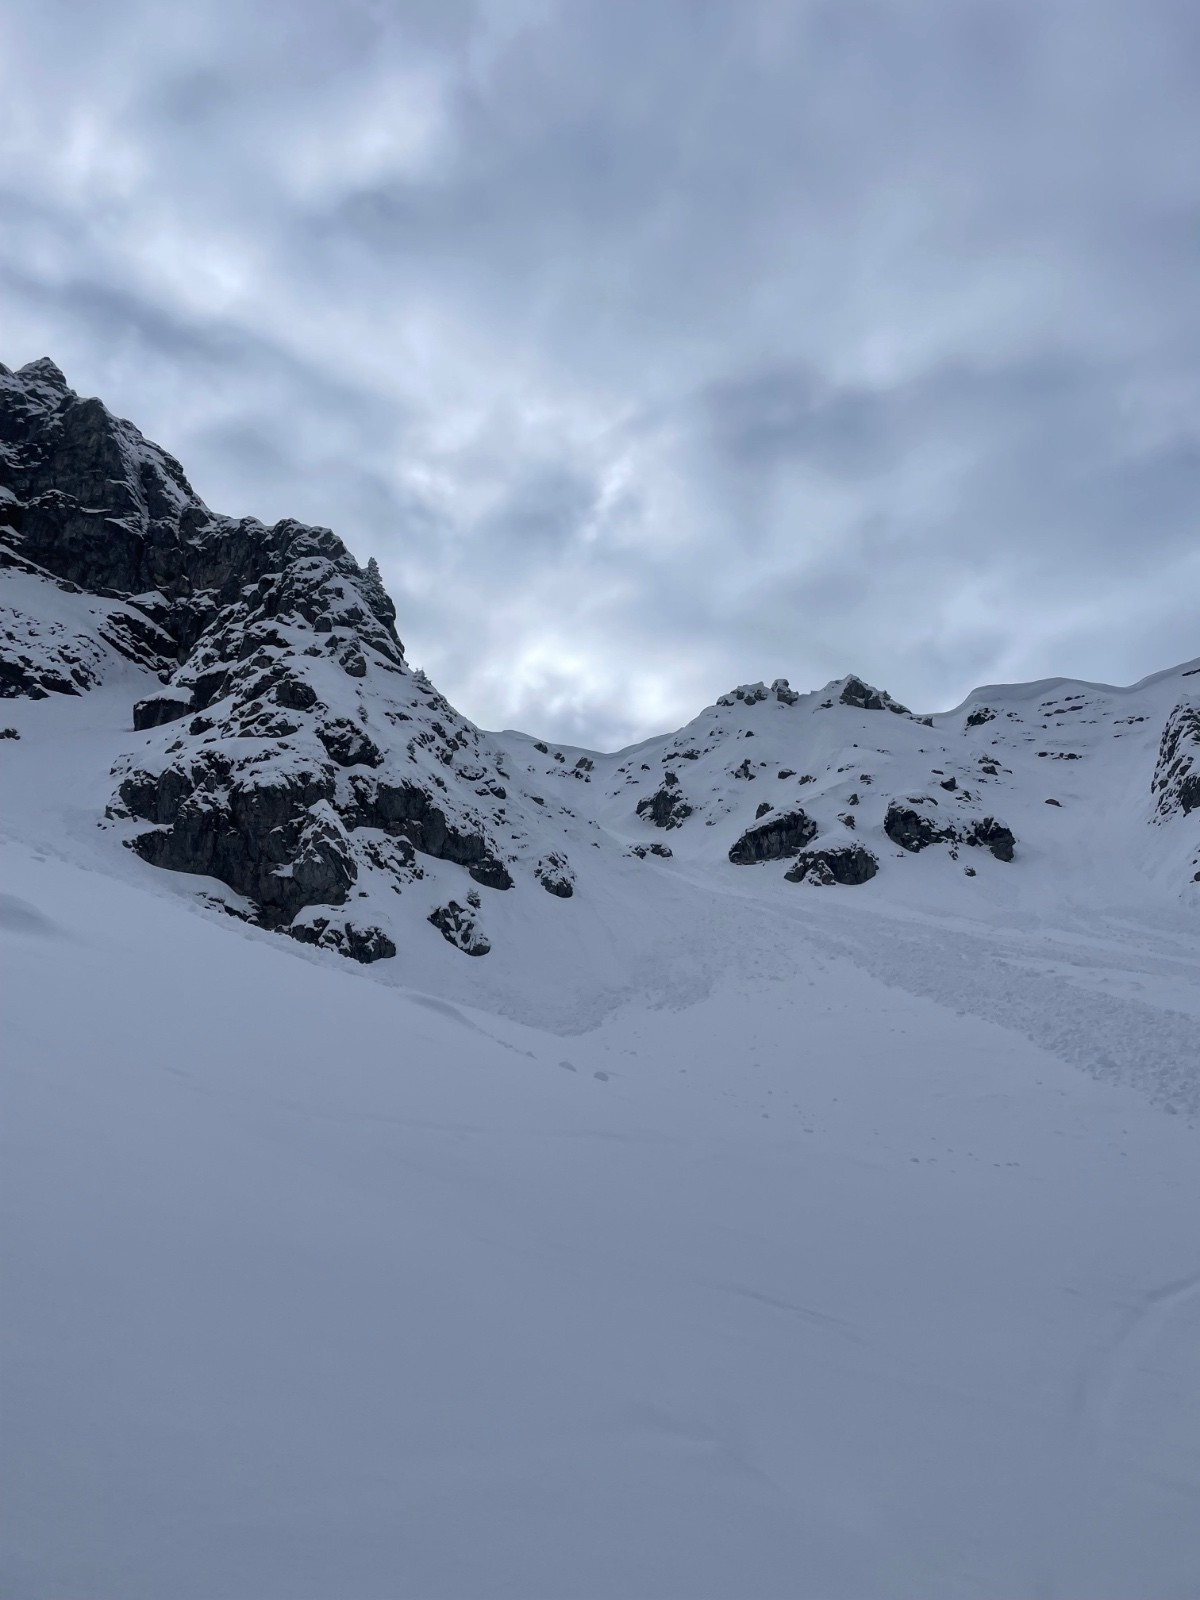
(652, 346)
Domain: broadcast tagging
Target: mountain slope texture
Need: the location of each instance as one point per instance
(759, 1162)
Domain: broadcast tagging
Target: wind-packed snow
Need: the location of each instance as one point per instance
(715, 1236)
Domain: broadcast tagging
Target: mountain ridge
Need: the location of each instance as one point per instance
(289, 754)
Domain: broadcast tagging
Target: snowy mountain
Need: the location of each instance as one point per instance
(799, 1199)
(282, 748)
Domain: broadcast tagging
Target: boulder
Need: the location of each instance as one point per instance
(844, 864)
(777, 839)
(666, 807)
(457, 926)
(554, 874)
(915, 830)
(992, 835)
(158, 709)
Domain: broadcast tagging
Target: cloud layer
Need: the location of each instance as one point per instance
(650, 348)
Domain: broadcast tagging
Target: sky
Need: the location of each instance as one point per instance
(651, 346)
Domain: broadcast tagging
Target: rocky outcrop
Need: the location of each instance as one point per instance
(914, 829)
(641, 851)
(845, 864)
(270, 833)
(855, 692)
(457, 926)
(158, 709)
(408, 811)
(554, 874)
(365, 944)
(779, 838)
(1175, 784)
(992, 835)
(748, 694)
(666, 807)
(291, 746)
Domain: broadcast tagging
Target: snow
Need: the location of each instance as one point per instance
(713, 1236)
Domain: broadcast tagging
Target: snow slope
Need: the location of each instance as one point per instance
(717, 1234)
(789, 1254)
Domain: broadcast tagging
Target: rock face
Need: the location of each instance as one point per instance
(291, 741)
(158, 709)
(857, 693)
(347, 938)
(666, 808)
(457, 926)
(554, 874)
(993, 836)
(1176, 781)
(914, 829)
(846, 864)
(782, 836)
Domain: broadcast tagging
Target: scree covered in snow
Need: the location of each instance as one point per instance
(447, 1164)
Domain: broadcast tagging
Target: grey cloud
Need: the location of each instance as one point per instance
(651, 348)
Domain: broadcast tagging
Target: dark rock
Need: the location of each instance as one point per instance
(554, 874)
(9, 733)
(993, 836)
(347, 744)
(979, 716)
(158, 709)
(347, 938)
(749, 694)
(1054, 802)
(1175, 783)
(457, 926)
(644, 850)
(666, 808)
(857, 693)
(267, 835)
(783, 836)
(294, 694)
(407, 810)
(949, 784)
(912, 830)
(763, 808)
(845, 864)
